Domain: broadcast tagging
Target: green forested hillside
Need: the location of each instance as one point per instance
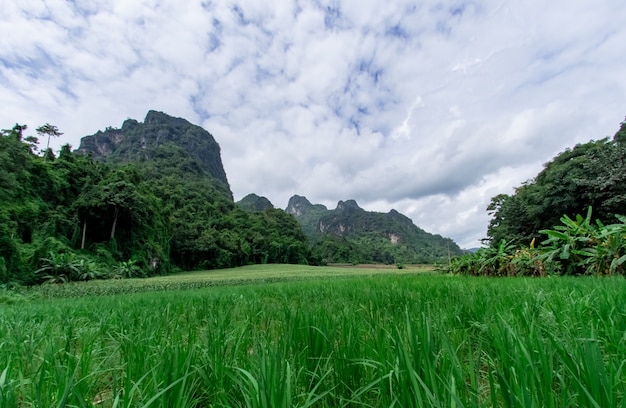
(591, 174)
(253, 202)
(116, 209)
(174, 143)
(351, 234)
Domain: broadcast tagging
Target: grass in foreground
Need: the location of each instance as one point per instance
(390, 340)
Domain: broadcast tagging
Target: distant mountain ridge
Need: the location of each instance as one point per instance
(349, 233)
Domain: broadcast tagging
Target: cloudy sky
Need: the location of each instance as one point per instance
(429, 107)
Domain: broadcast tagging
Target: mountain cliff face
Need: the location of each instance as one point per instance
(300, 206)
(350, 234)
(160, 138)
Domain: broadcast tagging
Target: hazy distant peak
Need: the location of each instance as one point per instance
(299, 206)
(348, 205)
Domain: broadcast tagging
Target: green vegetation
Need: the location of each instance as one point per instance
(391, 340)
(576, 247)
(592, 174)
(157, 208)
(253, 202)
(351, 234)
(539, 229)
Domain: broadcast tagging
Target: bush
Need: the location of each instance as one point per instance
(128, 269)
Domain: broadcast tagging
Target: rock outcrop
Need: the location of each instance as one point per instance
(160, 136)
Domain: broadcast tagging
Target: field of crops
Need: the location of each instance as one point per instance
(369, 338)
(220, 277)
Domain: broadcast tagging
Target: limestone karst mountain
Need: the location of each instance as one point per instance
(161, 138)
(351, 234)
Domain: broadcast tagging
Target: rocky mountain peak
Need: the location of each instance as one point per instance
(160, 136)
(348, 205)
(299, 206)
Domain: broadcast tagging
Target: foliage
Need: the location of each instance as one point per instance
(503, 260)
(579, 247)
(59, 268)
(254, 203)
(350, 234)
(336, 249)
(576, 247)
(208, 231)
(54, 213)
(127, 269)
(64, 267)
(543, 210)
(49, 131)
(404, 341)
(592, 174)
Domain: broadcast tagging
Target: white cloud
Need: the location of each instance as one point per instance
(430, 108)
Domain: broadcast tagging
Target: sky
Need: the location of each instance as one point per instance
(430, 108)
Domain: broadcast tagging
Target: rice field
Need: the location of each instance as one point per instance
(221, 277)
(388, 338)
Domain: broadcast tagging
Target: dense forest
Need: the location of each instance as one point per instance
(569, 219)
(149, 211)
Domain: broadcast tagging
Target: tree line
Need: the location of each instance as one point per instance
(66, 216)
(567, 220)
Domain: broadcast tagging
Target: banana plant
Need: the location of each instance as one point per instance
(527, 262)
(467, 264)
(617, 245)
(568, 244)
(497, 261)
(128, 269)
(582, 247)
(58, 268)
(609, 254)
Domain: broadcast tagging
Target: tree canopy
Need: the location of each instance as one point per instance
(591, 174)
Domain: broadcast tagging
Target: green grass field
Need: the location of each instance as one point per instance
(222, 277)
(287, 336)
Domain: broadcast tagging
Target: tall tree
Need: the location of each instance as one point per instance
(49, 131)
